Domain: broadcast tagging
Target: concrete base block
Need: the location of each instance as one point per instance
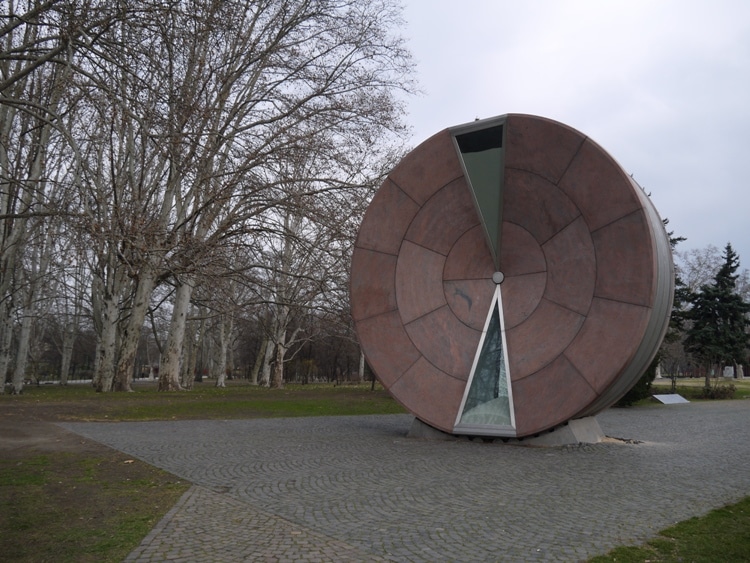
(424, 431)
(579, 431)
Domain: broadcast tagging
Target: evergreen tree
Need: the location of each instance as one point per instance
(680, 299)
(719, 334)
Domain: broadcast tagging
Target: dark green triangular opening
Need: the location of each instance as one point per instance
(482, 155)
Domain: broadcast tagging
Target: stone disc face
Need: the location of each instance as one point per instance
(509, 276)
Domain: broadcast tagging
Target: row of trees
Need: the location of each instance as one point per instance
(171, 170)
(711, 317)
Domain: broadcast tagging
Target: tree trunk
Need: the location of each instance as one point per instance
(169, 366)
(188, 347)
(6, 339)
(258, 362)
(229, 348)
(7, 275)
(265, 378)
(191, 353)
(707, 383)
(131, 333)
(221, 355)
(19, 373)
(277, 381)
(104, 375)
(107, 286)
(69, 337)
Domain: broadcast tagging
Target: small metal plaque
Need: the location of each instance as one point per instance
(672, 399)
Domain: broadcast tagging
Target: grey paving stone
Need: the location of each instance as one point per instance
(356, 489)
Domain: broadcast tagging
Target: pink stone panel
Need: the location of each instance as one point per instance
(470, 257)
(470, 300)
(387, 346)
(445, 341)
(571, 267)
(607, 341)
(549, 397)
(625, 260)
(419, 286)
(521, 253)
(521, 296)
(599, 187)
(445, 218)
(539, 340)
(432, 396)
(552, 209)
(388, 216)
(427, 168)
(540, 145)
(373, 277)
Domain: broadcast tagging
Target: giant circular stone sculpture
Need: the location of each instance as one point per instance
(508, 277)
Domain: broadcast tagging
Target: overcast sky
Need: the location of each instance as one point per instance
(663, 86)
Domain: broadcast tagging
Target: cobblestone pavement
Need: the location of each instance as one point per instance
(356, 489)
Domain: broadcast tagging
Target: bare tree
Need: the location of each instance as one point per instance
(697, 266)
(33, 103)
(41, 41)
(288, 77)
(173, 122)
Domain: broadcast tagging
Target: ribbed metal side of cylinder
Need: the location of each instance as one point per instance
(660, 313)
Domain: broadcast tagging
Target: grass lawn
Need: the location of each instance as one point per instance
(66, 506)
(691, 388)
(205, 401)
(722, 535)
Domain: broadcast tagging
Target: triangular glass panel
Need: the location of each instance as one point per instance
(488, 399)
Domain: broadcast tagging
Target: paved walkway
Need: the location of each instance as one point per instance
(356, 489)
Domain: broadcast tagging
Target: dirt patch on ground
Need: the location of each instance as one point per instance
(23, 434)
(66, 498)
(27, 428)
